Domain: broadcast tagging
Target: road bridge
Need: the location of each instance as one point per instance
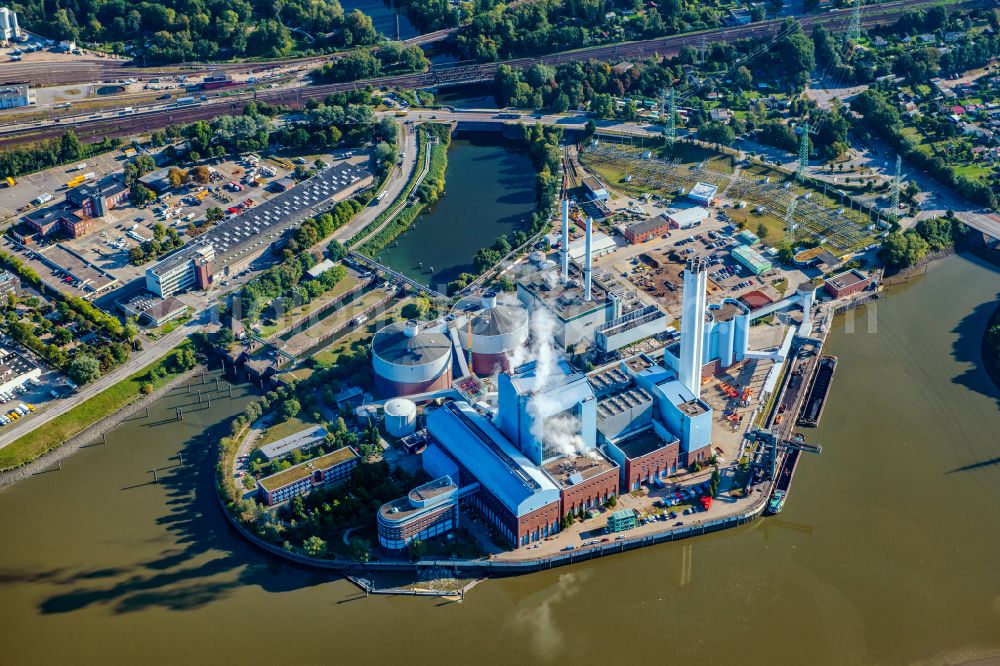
(394, 276)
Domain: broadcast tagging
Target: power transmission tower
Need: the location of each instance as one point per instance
(668, 111)
(897, 183)
(790, 225)
(854, 29)
(804, 132)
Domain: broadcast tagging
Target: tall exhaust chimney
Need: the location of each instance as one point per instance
(565, 240)
(587, 295)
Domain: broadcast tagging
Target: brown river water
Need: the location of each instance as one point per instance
(887, 551)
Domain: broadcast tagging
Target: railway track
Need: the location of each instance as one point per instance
(138, 123)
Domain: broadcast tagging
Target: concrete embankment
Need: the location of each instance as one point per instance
(492, 568)
(92, 433)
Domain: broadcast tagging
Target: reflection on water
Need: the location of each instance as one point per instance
(885, 552)
(490, 192)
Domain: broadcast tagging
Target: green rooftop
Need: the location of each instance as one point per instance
(751, 259)
(302, 470)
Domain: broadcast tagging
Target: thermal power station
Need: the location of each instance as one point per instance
(693, 309)
(490, 331)
(409, 358)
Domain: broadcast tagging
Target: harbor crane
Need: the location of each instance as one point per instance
(771, 444)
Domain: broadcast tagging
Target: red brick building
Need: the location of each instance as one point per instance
(847, 283)
(584, 481)
(640, 232)
(644, 457)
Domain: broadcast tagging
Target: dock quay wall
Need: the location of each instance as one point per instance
(495, 569)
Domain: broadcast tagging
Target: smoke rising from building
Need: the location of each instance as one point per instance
(560, 432)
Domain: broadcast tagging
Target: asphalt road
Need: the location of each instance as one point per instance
(150, 353)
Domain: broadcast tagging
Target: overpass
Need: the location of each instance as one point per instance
(394, 276)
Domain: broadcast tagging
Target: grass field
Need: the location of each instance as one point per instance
(293, 315)
(55, 432)
(284, 429)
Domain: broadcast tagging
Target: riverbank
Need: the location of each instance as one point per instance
(429, 188)
(488, 568)
(87, 436)
(88, 415)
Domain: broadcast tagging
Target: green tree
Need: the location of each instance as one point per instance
(359, 549)
(762, 231)
(289, 409)
(141, 195)
(83, 369)
(417, 549)
(314, 546)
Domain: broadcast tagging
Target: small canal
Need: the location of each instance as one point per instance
(489, 192)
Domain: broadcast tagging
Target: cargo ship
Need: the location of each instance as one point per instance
(812, 408)
(776, 503)
(783, 484)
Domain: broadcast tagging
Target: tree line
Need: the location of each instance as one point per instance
(47, 154)
(880, 117)
(176, 30)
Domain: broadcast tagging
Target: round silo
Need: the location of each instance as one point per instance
(400, 417)
(409, 358)
(494, 330)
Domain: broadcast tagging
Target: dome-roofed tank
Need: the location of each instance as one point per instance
(400, 417)
(497, 329)
(409, 357)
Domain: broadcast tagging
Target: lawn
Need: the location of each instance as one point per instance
(61, 428)
(357, 338)
(295, 314)
(284, 429)
(775, 226)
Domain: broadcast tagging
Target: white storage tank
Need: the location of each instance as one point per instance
(497, 330)
(400, 417)
(409, 357)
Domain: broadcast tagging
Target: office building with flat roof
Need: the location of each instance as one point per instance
(188, 267)
(304, 478)
(294, 442)
(150, 309)
(427, 511)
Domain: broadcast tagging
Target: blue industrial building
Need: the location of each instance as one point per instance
(515, 496)
(532, 403)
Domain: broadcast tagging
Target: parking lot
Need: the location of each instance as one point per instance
(656, 266)
(53, 181)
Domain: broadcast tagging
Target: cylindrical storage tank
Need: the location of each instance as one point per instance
(497, 330)
(807, 292)
(400, 417)
(411, 358)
